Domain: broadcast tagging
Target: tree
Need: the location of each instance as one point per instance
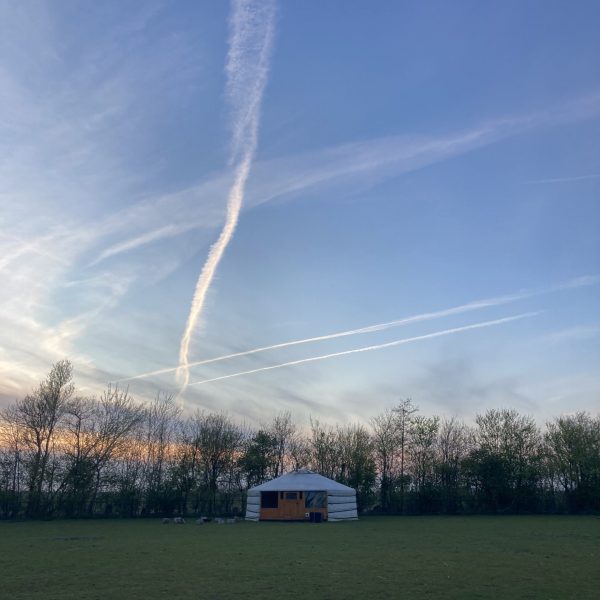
(573, 443)
(385, 446)
(260, 460)
(117, 415)
(37, 417)
(282, 432)
(325, 452)
(160, 422)
(218, 441)
(422, 453)
(357, 466)
(504, 463)
(404, 415)
(452, 448)
(11, 466)
(77, 441)
(186, 466)
(299, 451)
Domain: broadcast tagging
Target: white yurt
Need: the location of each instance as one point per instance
(301, 496)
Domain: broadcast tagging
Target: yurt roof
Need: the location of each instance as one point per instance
(302, 480)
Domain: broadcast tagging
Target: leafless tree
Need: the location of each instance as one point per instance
(282, 430)
(325, 451)
(404, 415)
(160, 424)
(37, 418)
(385, 444)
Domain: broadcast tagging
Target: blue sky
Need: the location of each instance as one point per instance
(393, 160)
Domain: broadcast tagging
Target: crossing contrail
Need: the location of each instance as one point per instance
(586, 280)
(252, 27)
(369, 348)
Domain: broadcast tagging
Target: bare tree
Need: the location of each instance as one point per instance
(160, 424)
(11, 465)
(299, 451)
(77, 440)
(93, 433)
(37, 417)
(282, 431)
(325, 451)
(404, 415)
(385, 444)
(117, 415)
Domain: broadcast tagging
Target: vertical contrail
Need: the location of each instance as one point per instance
(251, 38)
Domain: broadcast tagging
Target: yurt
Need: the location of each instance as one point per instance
(301, 496)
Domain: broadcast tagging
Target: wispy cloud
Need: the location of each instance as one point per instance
(340, 170)
(364, 163)
(142, 240)
(62, 168)
(252, 31)
(400, 342)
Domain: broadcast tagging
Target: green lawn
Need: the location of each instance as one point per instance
(387, 557)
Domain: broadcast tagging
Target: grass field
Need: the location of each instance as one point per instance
(387, 557)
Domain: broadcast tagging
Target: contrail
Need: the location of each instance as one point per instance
(368, 329)
(455, 310)
(369, 348)
(250, 42)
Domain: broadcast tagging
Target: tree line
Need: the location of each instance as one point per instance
(64, 455)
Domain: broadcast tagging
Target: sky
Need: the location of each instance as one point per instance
(185, 181)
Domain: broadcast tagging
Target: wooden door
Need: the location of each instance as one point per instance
(292, 505)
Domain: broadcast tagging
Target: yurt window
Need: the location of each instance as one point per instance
(268, 499)
(291, 496)
(315, 500)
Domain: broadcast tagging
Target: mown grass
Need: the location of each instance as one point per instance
(386, 557)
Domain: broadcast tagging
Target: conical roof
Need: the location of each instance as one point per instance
(302, 480)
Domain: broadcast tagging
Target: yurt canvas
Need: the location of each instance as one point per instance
(301, 496)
